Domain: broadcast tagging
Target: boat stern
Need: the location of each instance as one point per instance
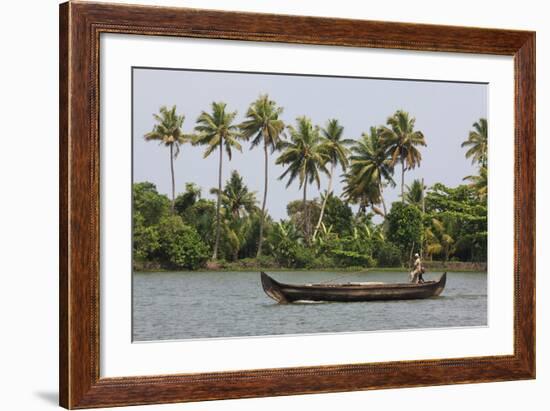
(441, 284)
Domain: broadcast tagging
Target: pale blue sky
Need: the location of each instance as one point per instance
(444, 111)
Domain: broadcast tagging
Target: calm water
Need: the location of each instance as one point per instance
(232, 304)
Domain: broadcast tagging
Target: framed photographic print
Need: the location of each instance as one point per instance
(258, 205)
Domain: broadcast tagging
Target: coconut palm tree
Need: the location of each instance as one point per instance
(263, 125)
(168, 132)
(415, 196)
(415, 193)
(305, 160)
(479, 183)
(236, 198)
(439, 237)
(370, 169)
(401, 141)
(217, 131)
(188, 198)
(477, 143)
(334, 146)
(236, 231)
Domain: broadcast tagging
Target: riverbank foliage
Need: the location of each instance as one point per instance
(190, 231)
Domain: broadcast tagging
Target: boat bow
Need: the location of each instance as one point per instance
(272, 289)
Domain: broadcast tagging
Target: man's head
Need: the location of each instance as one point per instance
(416, 255)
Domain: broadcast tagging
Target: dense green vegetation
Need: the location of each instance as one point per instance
(188, 231)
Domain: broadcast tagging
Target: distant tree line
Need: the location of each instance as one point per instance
(188, 231)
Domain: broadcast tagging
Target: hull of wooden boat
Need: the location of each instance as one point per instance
(287, 293)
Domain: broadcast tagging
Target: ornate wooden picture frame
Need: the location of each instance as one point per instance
(81, 25)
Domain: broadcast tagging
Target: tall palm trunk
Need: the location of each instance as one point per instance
(329, 191)
(305, 214)
(382, 200)
(236, 254)
(402, 180)
(262, 217)
(173, 178)
(217, 243)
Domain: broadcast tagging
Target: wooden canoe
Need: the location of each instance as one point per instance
(350, 292)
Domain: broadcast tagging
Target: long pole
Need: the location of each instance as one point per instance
(422, 225)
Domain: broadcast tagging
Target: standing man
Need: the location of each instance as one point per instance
(416, 274)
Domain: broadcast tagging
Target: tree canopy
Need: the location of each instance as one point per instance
(189, 231)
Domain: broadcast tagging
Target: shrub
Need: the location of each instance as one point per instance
(322, 261)
(285, 253)
(202, 216)
(180, 245)
(387, 254)
(145, 239)
(354, 250)
(303, 257)
(338, 215)
(187, 199)
(347, 258)
(293, 254)
(404, 227)
(264, 262)
(149, 203)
